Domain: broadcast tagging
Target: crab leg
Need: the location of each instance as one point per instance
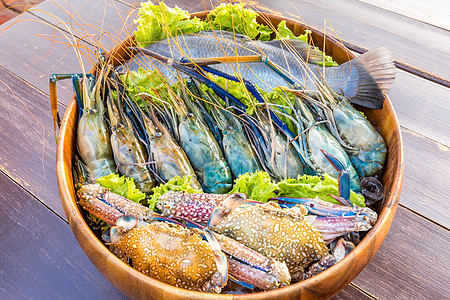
(267, 272)
(119, 203)
(250, 267)
(99, 208)
(322, 208)
(196, 207)
(333, 227)
(343, 177)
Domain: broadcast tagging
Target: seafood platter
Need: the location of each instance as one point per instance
(229, 154)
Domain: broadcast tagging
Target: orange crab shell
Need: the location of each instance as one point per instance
(172, 254)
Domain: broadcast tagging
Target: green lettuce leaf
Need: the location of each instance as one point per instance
(176, 184)
(151, 82)
(285, 100)
(156, 22)
(313, 186)
(257, 186)
(237, 89)
(239, 19)
(123, 186)
(283, 32)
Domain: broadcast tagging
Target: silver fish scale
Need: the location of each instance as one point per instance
(221, 43)
(275, 232)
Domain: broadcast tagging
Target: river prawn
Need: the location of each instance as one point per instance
(234, 143)
(92, 131)
(198, 143)
(364, 145)
(169, 159)
(284, 141)
(129, 153)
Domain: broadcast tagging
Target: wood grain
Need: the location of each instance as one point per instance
(27, 143)
(422, 106)
(35, 58)
(101, 23)
(351, 292)
(40, 258)
(325, 284)
(425, 188)
(413, 42)
(434, 12)
(412, 263)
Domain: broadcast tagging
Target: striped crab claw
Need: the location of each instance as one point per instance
(341, 249)
(245, 266)
(163, 250)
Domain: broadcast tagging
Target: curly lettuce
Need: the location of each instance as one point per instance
(123, 186)
(283, 33)
(176, 184)
(307, 186)
(151, 82)
(156, 22)
(239, 19)
(257, 186)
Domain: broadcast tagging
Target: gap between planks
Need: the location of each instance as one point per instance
(32, 195)
(363, 291)
(423, 216)
(359, 49)
(351, 46)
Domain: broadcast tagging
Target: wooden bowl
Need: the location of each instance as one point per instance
(327, 284)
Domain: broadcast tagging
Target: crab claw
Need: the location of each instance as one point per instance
(124, 224)
(333, 227)
(343, 177)
(220, 258)
(228, 205)
(127, 222)
(342, 249)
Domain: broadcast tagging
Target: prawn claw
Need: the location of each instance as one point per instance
(343, 178)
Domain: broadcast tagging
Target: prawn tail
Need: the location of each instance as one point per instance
(370, 77)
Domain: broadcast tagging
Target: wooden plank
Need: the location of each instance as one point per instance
(412, 42)
(411, 263)
(422, 106)
(102, 23)
(425, 185)
(351, 292)
(27, 142)
(433, 12)
(35, 58)
(189, 5)
(432, 102)
(40, 257)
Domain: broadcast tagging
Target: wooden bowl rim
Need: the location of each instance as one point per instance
(78, 225)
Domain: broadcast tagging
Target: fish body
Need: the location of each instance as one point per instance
(362, 81)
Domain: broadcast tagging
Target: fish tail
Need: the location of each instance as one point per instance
(370, 77)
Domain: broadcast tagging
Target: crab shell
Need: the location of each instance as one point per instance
(283, 234)
(172, 254)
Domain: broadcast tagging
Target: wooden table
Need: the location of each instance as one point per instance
(39, 256)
